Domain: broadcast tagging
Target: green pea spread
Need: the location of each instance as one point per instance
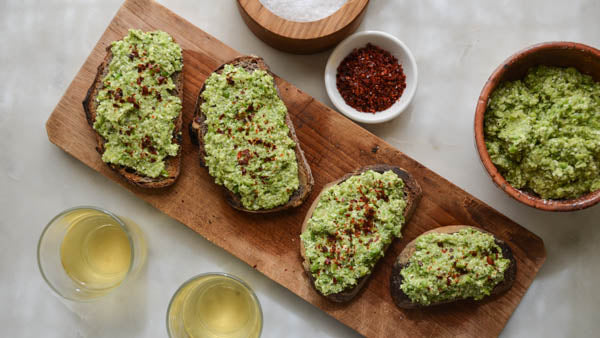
(350, 227)
(464, 264)
(247, 143)
(136, 109)
(543, 132)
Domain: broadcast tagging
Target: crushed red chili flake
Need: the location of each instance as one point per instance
(370, 79)
(243, 157)
(118, 94)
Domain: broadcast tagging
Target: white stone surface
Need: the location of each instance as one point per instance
(457, 45)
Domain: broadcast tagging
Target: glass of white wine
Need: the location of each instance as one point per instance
(214, 305)
(86, 252)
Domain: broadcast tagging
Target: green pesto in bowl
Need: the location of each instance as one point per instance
(543, 132)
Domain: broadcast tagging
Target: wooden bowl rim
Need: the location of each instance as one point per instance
(297, 29)
(493, 81)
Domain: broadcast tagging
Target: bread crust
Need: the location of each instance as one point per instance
(404, 302)
(172, 163)
(413, 194)
(198, 129)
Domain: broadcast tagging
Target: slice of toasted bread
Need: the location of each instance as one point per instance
(404, 302)
(198, 128)
(412, 192)
(172, 163)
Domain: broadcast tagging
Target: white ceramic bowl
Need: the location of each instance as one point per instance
(387, 42)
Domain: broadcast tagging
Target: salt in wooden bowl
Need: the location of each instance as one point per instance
(302, 37)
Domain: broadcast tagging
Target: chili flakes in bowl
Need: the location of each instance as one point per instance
(370, 79)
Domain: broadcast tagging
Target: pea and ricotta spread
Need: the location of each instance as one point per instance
(247, 143)
(350, 228)
(464, 264)
(543, 132)
(136, 108)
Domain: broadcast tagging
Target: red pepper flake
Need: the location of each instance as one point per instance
(161, 79)
(141, 67)
(370, 79)
(155, 67)
(145, 91)
(334, 279)
(243, 157)
(139, 80)
(489, 260)
(158, 97)
(146, 141)
(118, 94)
(381, 195)
(131, 99)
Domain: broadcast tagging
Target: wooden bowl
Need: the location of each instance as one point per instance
(302, 37)
(584, 58)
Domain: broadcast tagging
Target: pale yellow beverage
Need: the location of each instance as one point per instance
(214, 306)
(96, 251)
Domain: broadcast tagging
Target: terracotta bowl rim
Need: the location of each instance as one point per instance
(493, 81)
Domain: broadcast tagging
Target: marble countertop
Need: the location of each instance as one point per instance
(456, 44)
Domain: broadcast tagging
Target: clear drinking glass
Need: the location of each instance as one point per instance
(214, 305)
(86, 252)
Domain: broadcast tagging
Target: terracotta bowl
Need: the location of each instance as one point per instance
(584, 58)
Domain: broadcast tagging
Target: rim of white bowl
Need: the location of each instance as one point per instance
(383, 116)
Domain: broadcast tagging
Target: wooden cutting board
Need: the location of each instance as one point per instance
(334, 146)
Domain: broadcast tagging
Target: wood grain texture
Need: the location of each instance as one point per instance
(302, 37)
(333, 146)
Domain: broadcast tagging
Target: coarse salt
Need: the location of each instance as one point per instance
(303, 10)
